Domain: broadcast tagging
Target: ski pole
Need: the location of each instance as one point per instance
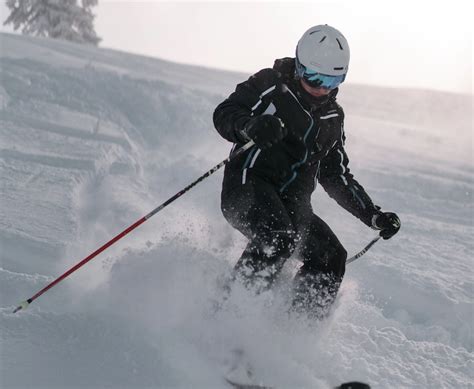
(363, 251)
(26, 303)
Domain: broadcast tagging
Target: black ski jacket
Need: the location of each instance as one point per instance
(312, 150)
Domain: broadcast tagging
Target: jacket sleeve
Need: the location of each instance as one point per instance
(337, 180)
(231, 116)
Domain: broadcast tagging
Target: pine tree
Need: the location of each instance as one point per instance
(59, 19)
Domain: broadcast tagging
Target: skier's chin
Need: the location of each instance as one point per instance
(315, 92)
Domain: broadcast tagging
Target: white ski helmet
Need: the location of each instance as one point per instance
(325, 50)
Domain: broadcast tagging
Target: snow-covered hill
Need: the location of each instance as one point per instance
(91, 140)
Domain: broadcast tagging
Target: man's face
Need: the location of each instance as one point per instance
(314, 91)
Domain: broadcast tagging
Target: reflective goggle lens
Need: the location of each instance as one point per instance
(319, 80)
(315, 79)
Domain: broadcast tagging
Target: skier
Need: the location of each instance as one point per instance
(291, 114)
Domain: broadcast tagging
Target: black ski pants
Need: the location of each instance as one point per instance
(276, 225)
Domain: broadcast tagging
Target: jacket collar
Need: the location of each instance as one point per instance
(286, 68)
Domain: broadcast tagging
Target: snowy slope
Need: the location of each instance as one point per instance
(91, 140)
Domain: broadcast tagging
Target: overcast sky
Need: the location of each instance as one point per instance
(426, 44)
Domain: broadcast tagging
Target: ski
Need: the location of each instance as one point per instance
(346, 385)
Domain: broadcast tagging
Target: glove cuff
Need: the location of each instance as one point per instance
(374, 223)
(242, 135)
(375, 216)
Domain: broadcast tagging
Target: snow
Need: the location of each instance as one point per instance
(91, 140)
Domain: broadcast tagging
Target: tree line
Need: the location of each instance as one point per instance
(70, 20)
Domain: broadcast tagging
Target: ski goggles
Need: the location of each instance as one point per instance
(318, 80)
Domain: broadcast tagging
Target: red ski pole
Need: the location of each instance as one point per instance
(26, 303)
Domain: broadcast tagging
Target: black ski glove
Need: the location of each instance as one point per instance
(265, 130)
(387, 222)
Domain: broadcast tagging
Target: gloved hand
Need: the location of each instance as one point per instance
(387, 222)
(265, 130)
